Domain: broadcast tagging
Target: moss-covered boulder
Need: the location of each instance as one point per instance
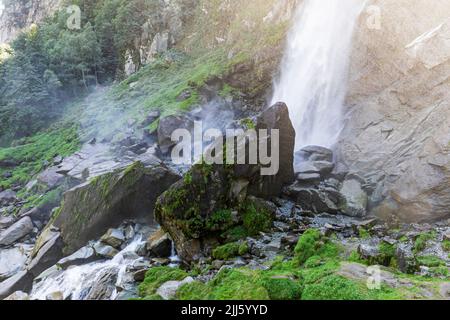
(90, 209)
(219, 203)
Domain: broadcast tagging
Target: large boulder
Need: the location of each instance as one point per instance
(212, 199)
(90, 209)
(397, 134)
(16, 232)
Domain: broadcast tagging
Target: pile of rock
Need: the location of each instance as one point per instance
(321, 187)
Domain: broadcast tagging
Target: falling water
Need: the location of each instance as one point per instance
(75, 282)
(315, 67)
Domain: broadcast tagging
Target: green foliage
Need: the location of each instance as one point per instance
(387, 254)
(31, 154)
(230, 250)
(283, 288)
(308, 245)
(333, 287)
(446, 245)
(363, 233)
(255, 219)
(421, 241)
(229, 284)
(220, 220)
(157, 276)
(430, 261)
(248, 123)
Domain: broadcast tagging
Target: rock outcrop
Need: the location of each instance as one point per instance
(397, 135)
(90, 209)
(18, 15)
(212, 199)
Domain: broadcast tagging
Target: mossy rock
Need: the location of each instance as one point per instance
(156, 277)
(90, 209)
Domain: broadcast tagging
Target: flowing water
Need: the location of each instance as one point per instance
(76, 282)
(315, 67)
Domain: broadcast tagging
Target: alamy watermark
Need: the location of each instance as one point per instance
(236, 146)
(74, 19)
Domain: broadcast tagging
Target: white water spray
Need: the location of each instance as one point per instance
(315, 67)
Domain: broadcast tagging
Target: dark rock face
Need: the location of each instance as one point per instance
(90, 209)
(167, 126)
(212, 199)
(277, 117)
(160, 244)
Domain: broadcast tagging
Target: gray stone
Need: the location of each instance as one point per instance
(13, 260)
(160, 244)
(83, 256)
(104, 285)
(55, 296)
(7, 197)
(306, 167)
(324, 167)
(369, 251)
(6, 221)
(129, 232)
(169, 289)
(167, 126)
(50, 178)
(47, 252)
(105, 251)
(315, 153)
(114, 238)
(21, 281)
(16, 232)
(18, 296)
(308, 177)
(355, 199)
(139, 275)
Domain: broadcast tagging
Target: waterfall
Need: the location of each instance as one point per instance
(315, 67)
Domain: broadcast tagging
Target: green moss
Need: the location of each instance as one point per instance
(230, 250)
(430, 261)
(283, 288)
(422, 240)
(34, 153)
(307, 246)
(446, 245)
(229, 284)
(255, 220)
(248, 123)
(333, 287)
(220, 220)
(387, 255)
(363, 233)
(155, 277)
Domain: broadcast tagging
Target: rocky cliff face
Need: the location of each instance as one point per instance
(398, 129)
(19, 14)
